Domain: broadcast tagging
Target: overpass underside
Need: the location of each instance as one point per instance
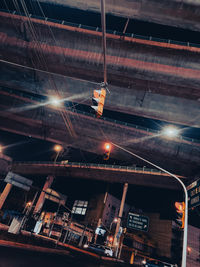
(155, 80)
(90, 134)
(146, 78)
(107, 173)
(184, 13)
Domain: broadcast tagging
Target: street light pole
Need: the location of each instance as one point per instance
(116, 238)
(114, 221)
(184, 251)
(58, 149)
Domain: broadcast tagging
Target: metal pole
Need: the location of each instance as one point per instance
(82, 236)
(116, 243)
(126, 25)
(41, 199)
(184, 252)
(103, 26)
(4, 194)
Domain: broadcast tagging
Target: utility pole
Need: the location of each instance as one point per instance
(116, 237)
(41, 199)
(4, 194)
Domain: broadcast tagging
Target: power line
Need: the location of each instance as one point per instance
(44, 71)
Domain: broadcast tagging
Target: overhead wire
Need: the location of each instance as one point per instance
(6, 6)
(103, 26)
(56, 42)
(40, 55)
(52, 34)
(44, 71)
(63, 113)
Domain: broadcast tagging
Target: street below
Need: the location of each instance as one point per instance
(17, 257)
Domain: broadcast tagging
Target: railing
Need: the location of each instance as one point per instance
(93, 165)
(98, 29)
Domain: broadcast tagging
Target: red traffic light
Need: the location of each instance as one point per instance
(107, 146)
(110, 239)
(107, 150)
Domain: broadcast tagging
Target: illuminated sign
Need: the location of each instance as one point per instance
(137, 222)
(100, 231)
(194, 194)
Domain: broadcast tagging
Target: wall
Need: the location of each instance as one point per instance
(161, 232)
(111, 210)
(193, 255)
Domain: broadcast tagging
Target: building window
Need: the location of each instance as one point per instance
(80, 207)
(113, 208)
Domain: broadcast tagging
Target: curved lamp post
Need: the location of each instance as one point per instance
(184, 251)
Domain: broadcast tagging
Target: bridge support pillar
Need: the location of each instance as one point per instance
(4, 194)
(117, 231)
(41, 199)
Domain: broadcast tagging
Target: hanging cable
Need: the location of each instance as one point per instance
(103, 26)
(63, 113)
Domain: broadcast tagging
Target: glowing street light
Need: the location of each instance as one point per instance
(189, 250)
(107, 149)
(58, 149)
(107, 146)
(55, 101)
(1, 148)
(28, 204)
(114, 221)
(170, 131)
(144, 261)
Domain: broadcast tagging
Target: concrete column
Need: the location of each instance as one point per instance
(116, 241)
(41, 199)
(4, 194)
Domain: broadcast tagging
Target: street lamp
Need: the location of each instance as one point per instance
(170, 131)
(185, 230)
(188, 250)
(144, 261)
(27, 206)
(55, 101)
(58, 149)
(114, 221)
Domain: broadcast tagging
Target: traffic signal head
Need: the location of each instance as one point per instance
(180, 214)
(107, 150)
(98, 101)
(110, 239)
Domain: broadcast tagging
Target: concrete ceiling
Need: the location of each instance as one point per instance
(146, 78)
(178, 13)
(176, 155)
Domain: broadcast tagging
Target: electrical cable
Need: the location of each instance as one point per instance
(44, 71)
(57, 43)
(65, 116)
(103, 26)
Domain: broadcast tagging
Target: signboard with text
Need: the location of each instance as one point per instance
(55, 196)
(138, 222)
(19, 181)
(194, 194)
